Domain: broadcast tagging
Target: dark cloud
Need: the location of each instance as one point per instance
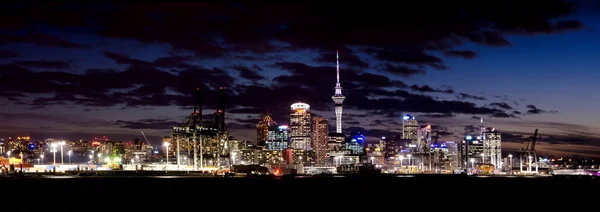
(44, 64)
(38, 39)
(142, 124)
(469, 96)
(347, 58)
(400, 70)
(447, 115)
(427, 88)
(468, 54)
(248, 73)
(8, 54)
(532, 109)
(501, 105)
(250, 28)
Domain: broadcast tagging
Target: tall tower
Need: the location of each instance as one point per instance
(338, 98)
(319, 138)
(300, 126)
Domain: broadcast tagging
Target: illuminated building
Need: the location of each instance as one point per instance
(335, 147)
(492, 148)
(375, 152)
(300, 126)
(320, 128)
(18, 144)
(471, 151)
(424, 138)
(2, 146)
(354, 144)
(277, 138)
(271, 157)
(262, 129)
(410, 126)
(300, 156)
(338, 98)
(453, 155)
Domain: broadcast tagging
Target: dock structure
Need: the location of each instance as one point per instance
(206, 141)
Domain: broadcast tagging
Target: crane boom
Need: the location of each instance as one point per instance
(148, 142)
(533, 140)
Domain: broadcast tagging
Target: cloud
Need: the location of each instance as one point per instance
(463, 96)
(426, 88)
(258, 43)
(468, 54)
(8, 54)
(159, 124)
(73, 120)
(501, 105)
(38, 39)
(247, 73)
(532, 109)
(44, 64)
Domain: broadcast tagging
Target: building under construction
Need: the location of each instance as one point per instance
(206, 142)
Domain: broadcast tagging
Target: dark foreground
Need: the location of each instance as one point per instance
(120, 193)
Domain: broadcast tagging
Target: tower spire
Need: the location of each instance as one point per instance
(337, 58)
(338, 98)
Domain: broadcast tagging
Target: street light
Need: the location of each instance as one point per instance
(8, 154)
(529, 163)
(69, 153)
(409, 162)
(62, 161)
(401, 160)
(42, 157)
(510, 162)
(482, 158)
(166, 144)
(53, 145)
(472, 163)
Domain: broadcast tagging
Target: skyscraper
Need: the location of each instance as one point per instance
(320, 129)
(338, 98)
(410, 126)
(262, 129)
(300, 126)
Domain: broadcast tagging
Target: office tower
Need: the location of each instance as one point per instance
(424, 138)
(320, 128)
(277, 138)
(338, 98)
(410, 126)
(262, 129)
(300, 126)
(492, 147)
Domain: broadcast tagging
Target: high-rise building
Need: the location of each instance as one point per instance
(492, 149)
(410, 126)
(338, 98)
(424, 138)
(320, 129)
(453, 155)
(472, 151)
(262, 129)
(300, 126)
(278, 138)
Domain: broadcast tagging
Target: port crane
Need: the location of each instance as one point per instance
(528, 153)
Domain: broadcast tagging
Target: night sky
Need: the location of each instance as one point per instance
(78, 71)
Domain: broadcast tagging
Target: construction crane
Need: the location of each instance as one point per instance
(148, 142)
(528, 151)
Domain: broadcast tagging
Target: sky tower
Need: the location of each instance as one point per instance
(338, 98)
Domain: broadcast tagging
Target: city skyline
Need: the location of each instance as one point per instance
(65, 75)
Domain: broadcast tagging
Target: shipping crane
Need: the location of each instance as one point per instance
(528, 151)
